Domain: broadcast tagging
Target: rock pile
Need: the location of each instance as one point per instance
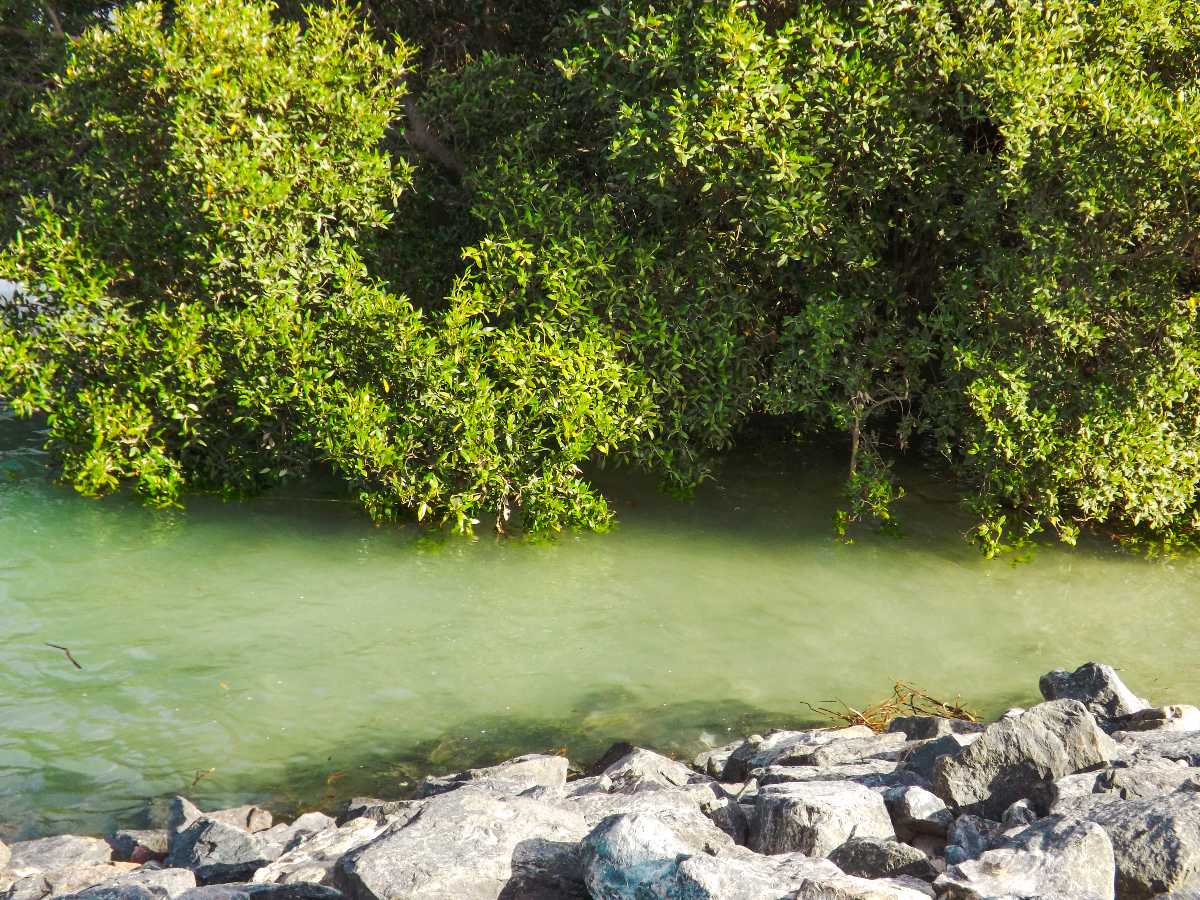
(1090, 795)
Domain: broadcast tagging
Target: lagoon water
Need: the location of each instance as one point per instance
(286, 651)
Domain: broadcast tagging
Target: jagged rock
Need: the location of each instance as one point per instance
(712, 762)
(1182, 746)
(969, 837)
(921, 758)
(52, 853)
(301, 891)
(639, 856)
(1156, 841)
(138, 846)
(218, 852)
(881, 858)
(1095, 685)
(5, 856)
(759, 752)
(379, 810)
(512, 776)
(847, 887)
(887, 746)
(816, 817)
(640, 765)
(313, 859)
(915, 811)
(1147, 778)
(1055, 857)
(281, 838)
(471, 843)
(869, 773)
(139, 884)
(720, 808)
(1016, 759)
(181, 813)
(1179, 717)
(66, 880)
(924, 728)
(1019, 815)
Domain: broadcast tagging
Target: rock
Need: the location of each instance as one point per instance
(882, 858)
(379, 810)
(759, 752)
(1095, 685)
(301, 891)
(872, 773)
(182, 813)
(471, 843)
(512, 776)
(218, 852)
(160, 882)
(915, 811)
(720, 808)
(638, 765)
(924, 728)
(1016, 759)
(5, 856)
(53, 853)
(1056, 857)
(816, 817)
(314, 858)
(847, 887)
(921, 758)
(281, 838)
(970, 836)
(138, 846)
(1174, 745)
(846, 750)
(1019, 815)
(1156, 841)
(712, 762)
(639, 856)
(1148, 778)
(56, 882)
(1179, 717)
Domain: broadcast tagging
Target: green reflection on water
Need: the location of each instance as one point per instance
(303, 655)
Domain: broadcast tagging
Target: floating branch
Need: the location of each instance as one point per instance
(65, 650)
(905, 700)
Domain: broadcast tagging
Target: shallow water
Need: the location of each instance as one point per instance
(285, 651)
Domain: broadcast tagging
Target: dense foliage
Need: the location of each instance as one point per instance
(959, 230)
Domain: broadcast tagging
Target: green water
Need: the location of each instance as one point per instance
(286, 651)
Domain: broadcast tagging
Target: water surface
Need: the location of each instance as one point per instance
(286, 651)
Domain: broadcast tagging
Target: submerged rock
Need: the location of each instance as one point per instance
(1055, 857)
(816, 817)
(1018, 759)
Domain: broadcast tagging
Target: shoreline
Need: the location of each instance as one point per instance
(1091, 793)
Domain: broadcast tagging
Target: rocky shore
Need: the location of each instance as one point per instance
(1089, 795)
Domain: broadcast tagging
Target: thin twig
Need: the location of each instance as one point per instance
(73, 660)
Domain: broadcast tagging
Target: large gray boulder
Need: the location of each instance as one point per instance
(220, 853)
(641, 766)
(758, 752)
(816, 817)
(1054, 857)
(1016, 759)
(639, 857)
(59, 852)
(302, 891)
(1180, 746)
(848, 887)
(470, 844)
(888, 746)
(882, 858)
(140, 884)
(1142, 779)
(512, 776)
(65, 880)
(915, 810)
(379, 810)
(181, 813)
(1156, 841)
(920, 758)
(314, 858)
(1095, 685)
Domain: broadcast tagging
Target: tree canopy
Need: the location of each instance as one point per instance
(453, 252)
